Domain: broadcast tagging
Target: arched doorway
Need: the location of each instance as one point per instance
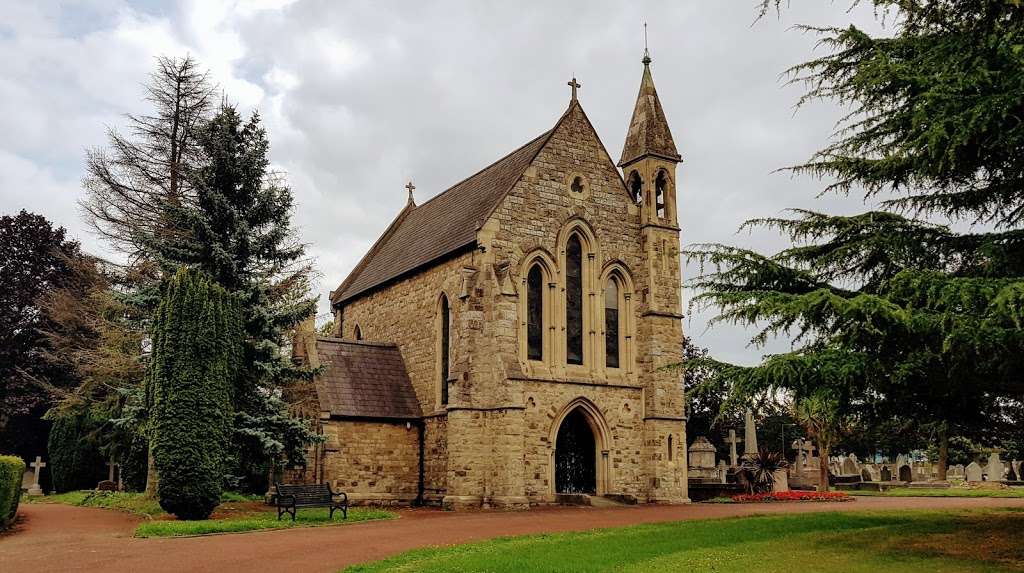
(575, 455)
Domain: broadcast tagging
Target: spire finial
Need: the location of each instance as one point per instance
(411, 188)
(647, 54)
(574, 85)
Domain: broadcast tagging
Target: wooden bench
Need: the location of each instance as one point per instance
(293, 496)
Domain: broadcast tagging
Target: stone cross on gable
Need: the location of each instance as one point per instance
(575, 86)
(37, 467)
(411, 188)
(732, 440)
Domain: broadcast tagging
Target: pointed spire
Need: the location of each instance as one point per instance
(648, 130)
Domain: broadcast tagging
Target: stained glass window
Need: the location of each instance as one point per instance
(445, 344)
(611, 324)
(574, 301)
(535, 313)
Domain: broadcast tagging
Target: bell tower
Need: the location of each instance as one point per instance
(648, 163)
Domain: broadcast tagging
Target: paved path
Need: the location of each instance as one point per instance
(65, 538)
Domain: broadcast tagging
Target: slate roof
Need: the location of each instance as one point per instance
(648, 129)
(443, 225)
(365, 380)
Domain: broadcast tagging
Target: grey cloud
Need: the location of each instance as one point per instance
(359, 97)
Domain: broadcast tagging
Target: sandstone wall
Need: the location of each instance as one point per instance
(372, 461)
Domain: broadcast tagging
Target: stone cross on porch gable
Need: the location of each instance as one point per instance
(732, 440)
(575, 86)
(411, 188)
(37, 467)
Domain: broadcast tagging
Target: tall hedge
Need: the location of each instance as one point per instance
(11, 470)
(196, 352)
(74, 461)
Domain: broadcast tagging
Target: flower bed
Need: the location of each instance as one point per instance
(794, 496)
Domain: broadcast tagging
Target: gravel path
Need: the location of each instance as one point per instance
(65, 538)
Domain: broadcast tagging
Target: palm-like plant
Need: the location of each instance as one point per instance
(757, 471)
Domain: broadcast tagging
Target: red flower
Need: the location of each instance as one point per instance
(793, 496)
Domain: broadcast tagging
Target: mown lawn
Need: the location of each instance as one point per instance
(235, 514)
(941, 492)
(908, 542)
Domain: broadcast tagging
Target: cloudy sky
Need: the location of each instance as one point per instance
(359, 97)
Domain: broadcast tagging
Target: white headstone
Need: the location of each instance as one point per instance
(37, 466)
(973, 472)
(850, 466)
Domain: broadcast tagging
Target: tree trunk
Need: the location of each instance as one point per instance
(943, 453)
(823, 451)
(152, 479)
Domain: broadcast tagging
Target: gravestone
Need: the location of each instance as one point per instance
(702, 454)
(732, 440)
(37, 466)
(995, 469)
(27, 479)
(723, 472)
(850, 466)
(955, 472)
(749, 434)
(886, 474)
(973, 472)
(865, 474)
(106, 485)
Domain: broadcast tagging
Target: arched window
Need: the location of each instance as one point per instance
(359, 333)
(574, 301)
(660, 188)
(635, 186)
(535, 313)
(445, 344)
(611, 323)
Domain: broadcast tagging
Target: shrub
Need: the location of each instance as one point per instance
(75, 462)
(11, 470)
(757, 471)
(196, 351)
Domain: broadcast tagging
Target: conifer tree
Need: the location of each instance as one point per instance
(196, 353)
(893, 314)
(239, 232)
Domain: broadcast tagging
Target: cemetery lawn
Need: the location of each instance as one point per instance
(941, 492)
(256, 521)
(235, 514)
(855, 542)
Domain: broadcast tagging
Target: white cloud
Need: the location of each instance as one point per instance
(360, 97)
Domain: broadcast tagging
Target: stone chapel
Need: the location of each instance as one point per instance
(504, 342)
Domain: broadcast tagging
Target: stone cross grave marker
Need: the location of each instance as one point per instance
(733, 440)
(37, 466)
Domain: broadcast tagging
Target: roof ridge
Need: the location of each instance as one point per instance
(503, 158)
(547, 137)
(356, 270)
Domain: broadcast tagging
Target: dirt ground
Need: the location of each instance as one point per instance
(66, 538)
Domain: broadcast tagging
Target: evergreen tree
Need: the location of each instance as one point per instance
(35, 259)
(894, 315)
(196, 339)
(239, 232)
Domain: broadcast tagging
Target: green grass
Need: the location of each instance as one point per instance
(266, 520)
(161, 525)
(121, 501)
(909, 542)
(940, 492)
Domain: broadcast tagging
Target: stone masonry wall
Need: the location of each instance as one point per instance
(372, 461)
